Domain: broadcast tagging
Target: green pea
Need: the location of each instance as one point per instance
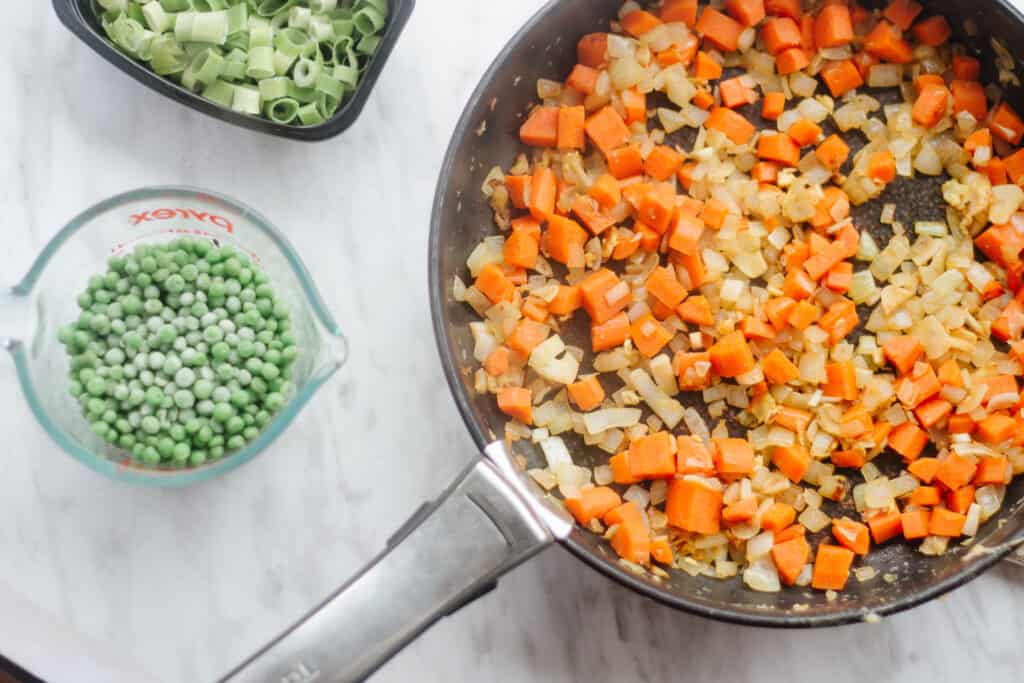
(150, 424)
(96, 386)
(222, 412)
(182, 452)
(183, 398)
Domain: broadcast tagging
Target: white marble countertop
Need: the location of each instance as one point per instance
(183, 584)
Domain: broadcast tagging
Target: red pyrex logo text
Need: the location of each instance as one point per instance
(187, 214)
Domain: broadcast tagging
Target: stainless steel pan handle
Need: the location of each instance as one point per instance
(450, 552)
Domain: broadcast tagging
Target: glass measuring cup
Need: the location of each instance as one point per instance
(32, 311)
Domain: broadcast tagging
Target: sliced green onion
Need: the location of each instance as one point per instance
(238, 18)
(221, 92)
(114, 5)
(368, 21)
(310, 115)
(176, 5)
(261, 63)
(327, 105)
(168, 57)
(282, 63)
(260, 36)
(237, 41)
(235, 66)
(299, 17)
(380, 5)
(157, 17)
(323, 6)
(274, 88)
(208, 66)
(321, 29)
(283, 110)
(269, 8)
(368, 44)
(305, 73)
(246, 100)
(303, 95)
(347, 75)
(291, 41)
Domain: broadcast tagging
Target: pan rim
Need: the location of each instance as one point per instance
(736, 615)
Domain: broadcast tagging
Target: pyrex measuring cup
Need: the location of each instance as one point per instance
(33, 310)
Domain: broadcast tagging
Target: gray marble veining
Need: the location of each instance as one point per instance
(187, 583)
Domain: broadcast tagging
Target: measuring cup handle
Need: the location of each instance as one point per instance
(14, 317)
(450, 552)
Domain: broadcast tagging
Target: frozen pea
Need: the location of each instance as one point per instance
(185, 377)
(222, 412)
(184, 398)
(96, 386)
(172, 365)
(203, 389)
(150, 425)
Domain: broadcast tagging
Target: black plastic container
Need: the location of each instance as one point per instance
(78, 16)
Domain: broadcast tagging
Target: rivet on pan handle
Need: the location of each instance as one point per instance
(450, 552)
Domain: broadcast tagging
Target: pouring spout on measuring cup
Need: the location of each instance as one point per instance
(15, 316)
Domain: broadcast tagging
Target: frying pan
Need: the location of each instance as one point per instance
(492, 517)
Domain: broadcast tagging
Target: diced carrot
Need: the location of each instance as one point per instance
(864, 61)
(918, 386)
(752, 328)
(884, 526)
(804, 132)
(915, 524)
(540, 128)
(780, 34)
(703, 99)
(535, 309)
(592, 50)
(960, 424)
(543, 190)
(721, 30)
(991, 470)
(926, 80)
(583, 78)
(497, 362)
(592, 503)
(564, 239)
(635, 103)
(842, 380)
(638, 22)
(747, 12)
(884, 42)
(902, 13)
(528, 225)
(589, 212)
(607, 130)
(570, 127)
(765, 172)
(831, 567)
(620, 469)
(995, 169)
(933, 31)
(693, 457)
(792, 461)
(685, 236)
(966, 68)
(730, 123)
(798, 285)
(804, 315)
(606, 191)
(852, 535)
(1015, 166)
(663, 162)
(525, 336)
(519, 190)
(778, 147)
(493, 283)
(694, 266)
(807, 34)
(734, 93)
(679, 10)
(793, 419)
(649, 336)
(778, 310)
(933, 411)
(663, 285)
(930, 105)
(566, 301)
(610, 333)
(733, 457)
(791, 60)
(1001, 243)
(595, 289)
(587, 393)
(693, 506)
(824, 260)
(833, 27)
(969, 96)
(773, 106)
(995, 429)
(692, 369)
(834, 207)
(516, 402)
(696, 310)
(778, 517)
(853, 459)
(661, 550)
(731, 355)
(946, 523)
(840, 277)
(832, 152)
(625, 162)
(855, 422)
(902, 351)
(1007, 125)
(783, 8)
(714, 213)
(706, 68)
(632, 540)
(789, 557)
(908, 440)
(961, 499)
(656, 206)
(742, 511)
(924, 469)
(925, 496)
(521, 249)
(653, 456)
(882, 166)
(839, 320)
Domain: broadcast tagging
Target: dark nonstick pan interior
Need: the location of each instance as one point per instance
(487, 135)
